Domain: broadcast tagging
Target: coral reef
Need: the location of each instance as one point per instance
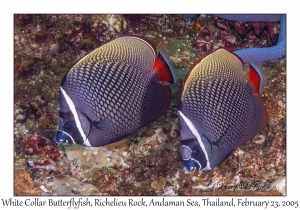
(37, 145)
(24, 185)
(148, 162)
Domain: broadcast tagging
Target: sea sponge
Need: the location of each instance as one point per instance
(94, 157)
(66, 185)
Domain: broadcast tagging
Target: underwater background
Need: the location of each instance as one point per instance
(148, 162)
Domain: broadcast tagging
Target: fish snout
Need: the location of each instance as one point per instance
(186, 169)
(63, 137)
(190, 165)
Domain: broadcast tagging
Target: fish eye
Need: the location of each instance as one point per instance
(69, 127)
(196, 151)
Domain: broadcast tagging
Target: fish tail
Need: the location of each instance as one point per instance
(163, 70)
(257, 77)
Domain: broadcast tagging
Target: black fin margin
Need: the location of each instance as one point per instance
(162, 69)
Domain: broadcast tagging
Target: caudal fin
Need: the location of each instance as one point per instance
(162, 69)
(257, 77)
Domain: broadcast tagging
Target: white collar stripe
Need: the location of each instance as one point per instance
(197, 135)
(86, 143)
(73, 110)
(196, 162)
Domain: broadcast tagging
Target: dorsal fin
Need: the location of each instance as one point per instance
(144, 40)
(202, 58)
(162, 69)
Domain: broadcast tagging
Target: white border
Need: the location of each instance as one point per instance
(197, 135)
(74, 112)
(8, 8)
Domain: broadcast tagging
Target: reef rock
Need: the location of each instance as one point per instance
(93, 157)
(66, 185)
(23, 184)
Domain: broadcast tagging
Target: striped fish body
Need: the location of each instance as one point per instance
(219, 111)
(112, 92)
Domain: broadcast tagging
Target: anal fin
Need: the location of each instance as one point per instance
(105, 123)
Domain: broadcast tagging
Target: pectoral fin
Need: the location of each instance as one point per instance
(105, 123)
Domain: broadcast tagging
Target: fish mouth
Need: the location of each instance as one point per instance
(188, 169)
(63, 137)
(191, 165)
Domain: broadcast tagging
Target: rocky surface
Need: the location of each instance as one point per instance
(148, 162)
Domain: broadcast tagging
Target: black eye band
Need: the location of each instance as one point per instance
(69, 127)
(196, 151)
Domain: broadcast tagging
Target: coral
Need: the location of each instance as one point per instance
(36, 145)
(116, 23)
(169, 191)
(159, 185)
(45, 163)
(258, 30)
(233, 35)
(197, 26)
(24, 185)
